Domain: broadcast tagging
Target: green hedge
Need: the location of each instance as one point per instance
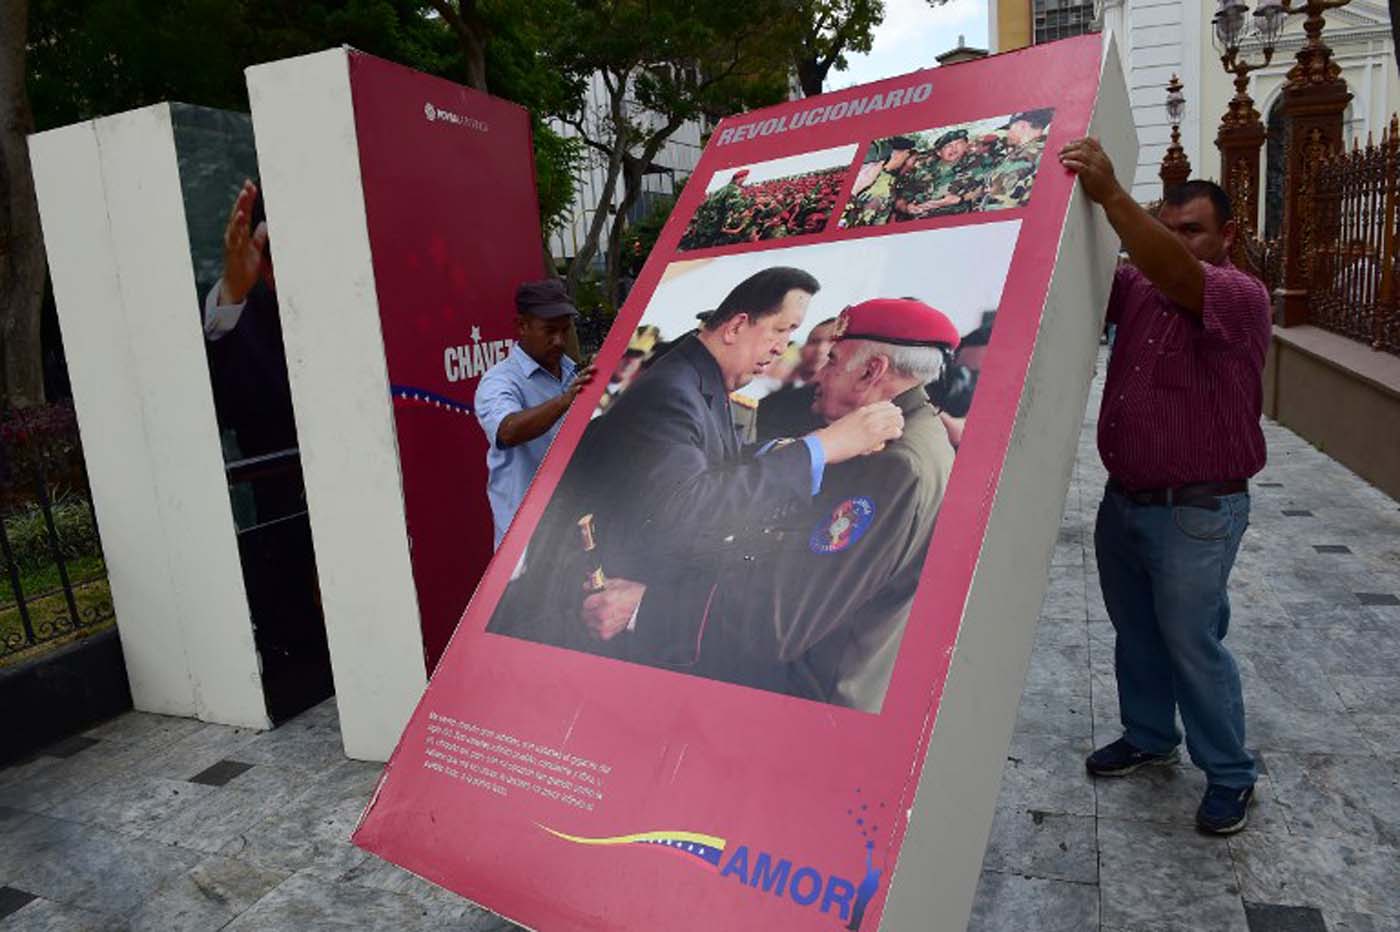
(72, 519)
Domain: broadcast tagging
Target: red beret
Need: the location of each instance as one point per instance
(902, 321)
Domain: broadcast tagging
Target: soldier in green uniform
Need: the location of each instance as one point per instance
(871, 206)
(814, 602)
(943, 182)
(1009, 183)
(718, 214)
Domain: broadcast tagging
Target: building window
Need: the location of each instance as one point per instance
(1060, 19)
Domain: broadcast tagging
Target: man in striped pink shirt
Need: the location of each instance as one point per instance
(1179, 435)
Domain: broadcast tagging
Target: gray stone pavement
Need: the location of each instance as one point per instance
(142, 823)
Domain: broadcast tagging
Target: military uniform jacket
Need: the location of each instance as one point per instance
(1009, 183)
(666, 480)
(815, 604)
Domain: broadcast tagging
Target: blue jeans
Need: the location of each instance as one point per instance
(1164, 571)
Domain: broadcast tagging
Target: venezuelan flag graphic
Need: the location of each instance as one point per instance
(691, 845)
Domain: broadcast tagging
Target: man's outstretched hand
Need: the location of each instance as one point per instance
(1087, 160)
(243, 248)
(864, 430)
(579, 382)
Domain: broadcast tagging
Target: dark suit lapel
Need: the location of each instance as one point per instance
(716, 398)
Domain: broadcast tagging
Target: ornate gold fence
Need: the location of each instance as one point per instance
(1349, 241)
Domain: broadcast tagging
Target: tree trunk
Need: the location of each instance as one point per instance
(617, 90)
(474, 50)
(23, 268)
(632, 175)
(579, 263)
(472, 32)
(810, 75)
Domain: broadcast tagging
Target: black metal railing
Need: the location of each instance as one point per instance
(55, 577)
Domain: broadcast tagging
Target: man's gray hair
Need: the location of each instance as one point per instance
(924, 363)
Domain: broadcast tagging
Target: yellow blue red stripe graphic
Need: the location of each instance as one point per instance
(696, 845)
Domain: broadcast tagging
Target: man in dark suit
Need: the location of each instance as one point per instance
(661, 480)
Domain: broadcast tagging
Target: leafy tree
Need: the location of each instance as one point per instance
(827, 31)
(637, 243)
(22, 266)
(658, 64)
(78, 59)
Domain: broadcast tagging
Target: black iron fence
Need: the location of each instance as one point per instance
(55, 578)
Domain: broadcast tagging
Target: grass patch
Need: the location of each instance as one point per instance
(94, 596)
(41, 579)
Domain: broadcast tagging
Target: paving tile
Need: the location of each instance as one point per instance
(305, 902)
(1293, 682)
(212, 822)
(195, 752)
(1273, 725)
(22, 771)
(86, 866)
(1046, 773)
(381, 875)
(311, 834)
(135, 727)
(1170, 795)
(41, 787)
(1381, 732)
(1008, 901)
(1368, 651)
(9, 818)
(1331, 874)
(1055, 712)
(210, 894)
(307, 741)
(69, 746)
(132, 805)
(220, 773)
(1356, 922)
(1064, 596)
(1160, 878)
(1350, 798)
(1264, 917)
(1043, 844)
(1377, 598)
(1060, 669)
(12, 900)
(43, 915)
(1376, 694)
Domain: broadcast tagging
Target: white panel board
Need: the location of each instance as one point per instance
(106, 394)
(304, 122)
(183, 609)
(935, 881)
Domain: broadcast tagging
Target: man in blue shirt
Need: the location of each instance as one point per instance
(521, 399)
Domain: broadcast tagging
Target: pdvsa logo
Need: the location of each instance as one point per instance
(435, 114)
(763, 872)
(470, 360)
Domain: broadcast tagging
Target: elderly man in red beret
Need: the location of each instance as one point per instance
(813, 601)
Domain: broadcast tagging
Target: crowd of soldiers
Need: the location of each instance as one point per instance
(963, 171)
(743, 212)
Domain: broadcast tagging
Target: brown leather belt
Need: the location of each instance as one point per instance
(1198, 494)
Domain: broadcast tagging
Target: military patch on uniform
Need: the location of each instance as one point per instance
(845, 525)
